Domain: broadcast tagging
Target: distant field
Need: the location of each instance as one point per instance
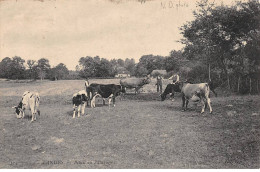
(140, 132)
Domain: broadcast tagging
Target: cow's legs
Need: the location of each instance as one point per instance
(74, 110)
(111, 97)
(109, 101)
(33, 114)
(210, 108)
(83, 108)
(183, 103)
(79, 108)
(32, 117)
(137, 90)
(114, 101)
(103, 101)
(203, 106)
(23, 110)
(172, 96)
(92, 103)
(187, 102)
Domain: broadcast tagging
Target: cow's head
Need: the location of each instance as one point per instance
(163, 96)
(167, 90)
(18, 109)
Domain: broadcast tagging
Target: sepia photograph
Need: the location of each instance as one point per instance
(129, 84)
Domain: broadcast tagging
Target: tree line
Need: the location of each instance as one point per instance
(101, 67)
(88, 67)
(17, 68)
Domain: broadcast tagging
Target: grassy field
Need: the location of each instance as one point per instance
(139, 132)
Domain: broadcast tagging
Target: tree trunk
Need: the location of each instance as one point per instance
(238, 84)
(257, 89)
(228, 82)
(250, 85)
(225, 71)
(209, 73)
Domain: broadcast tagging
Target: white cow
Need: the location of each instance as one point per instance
(196, 92)
(30, 100)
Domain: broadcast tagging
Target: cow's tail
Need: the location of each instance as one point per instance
(37, 103)
(207, 90)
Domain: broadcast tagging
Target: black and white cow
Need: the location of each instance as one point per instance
(79, 101)
(109, 91)
(30, 100)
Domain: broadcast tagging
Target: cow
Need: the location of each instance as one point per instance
(30, 100)
(79, 100)
(136, 83)
(170, 89)
(196, 91)
(109, 91)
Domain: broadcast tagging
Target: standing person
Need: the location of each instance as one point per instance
(159, 83)
(175, 79)
(86, 83)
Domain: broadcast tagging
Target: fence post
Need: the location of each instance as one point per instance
(250, 85)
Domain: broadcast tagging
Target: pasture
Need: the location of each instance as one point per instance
(139, 132)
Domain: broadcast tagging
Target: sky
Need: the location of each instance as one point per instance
(63, 31)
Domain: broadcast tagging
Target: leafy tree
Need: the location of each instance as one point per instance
(129, 65)
(171, 62)
(32, 70)
(140, 70)
(151, 62)
(95, 67)
(121, 62)
(104, 68)
(86, 67)
(59, 72)
(222, 37)
(12, 68)
(5, 68)
(43, 68)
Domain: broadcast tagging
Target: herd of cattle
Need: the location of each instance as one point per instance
(194, 92)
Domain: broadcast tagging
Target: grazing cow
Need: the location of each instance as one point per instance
(170, 89)
(191, 91)
(30, 100)
(79, 100)
(136, 83)
(109, 91)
